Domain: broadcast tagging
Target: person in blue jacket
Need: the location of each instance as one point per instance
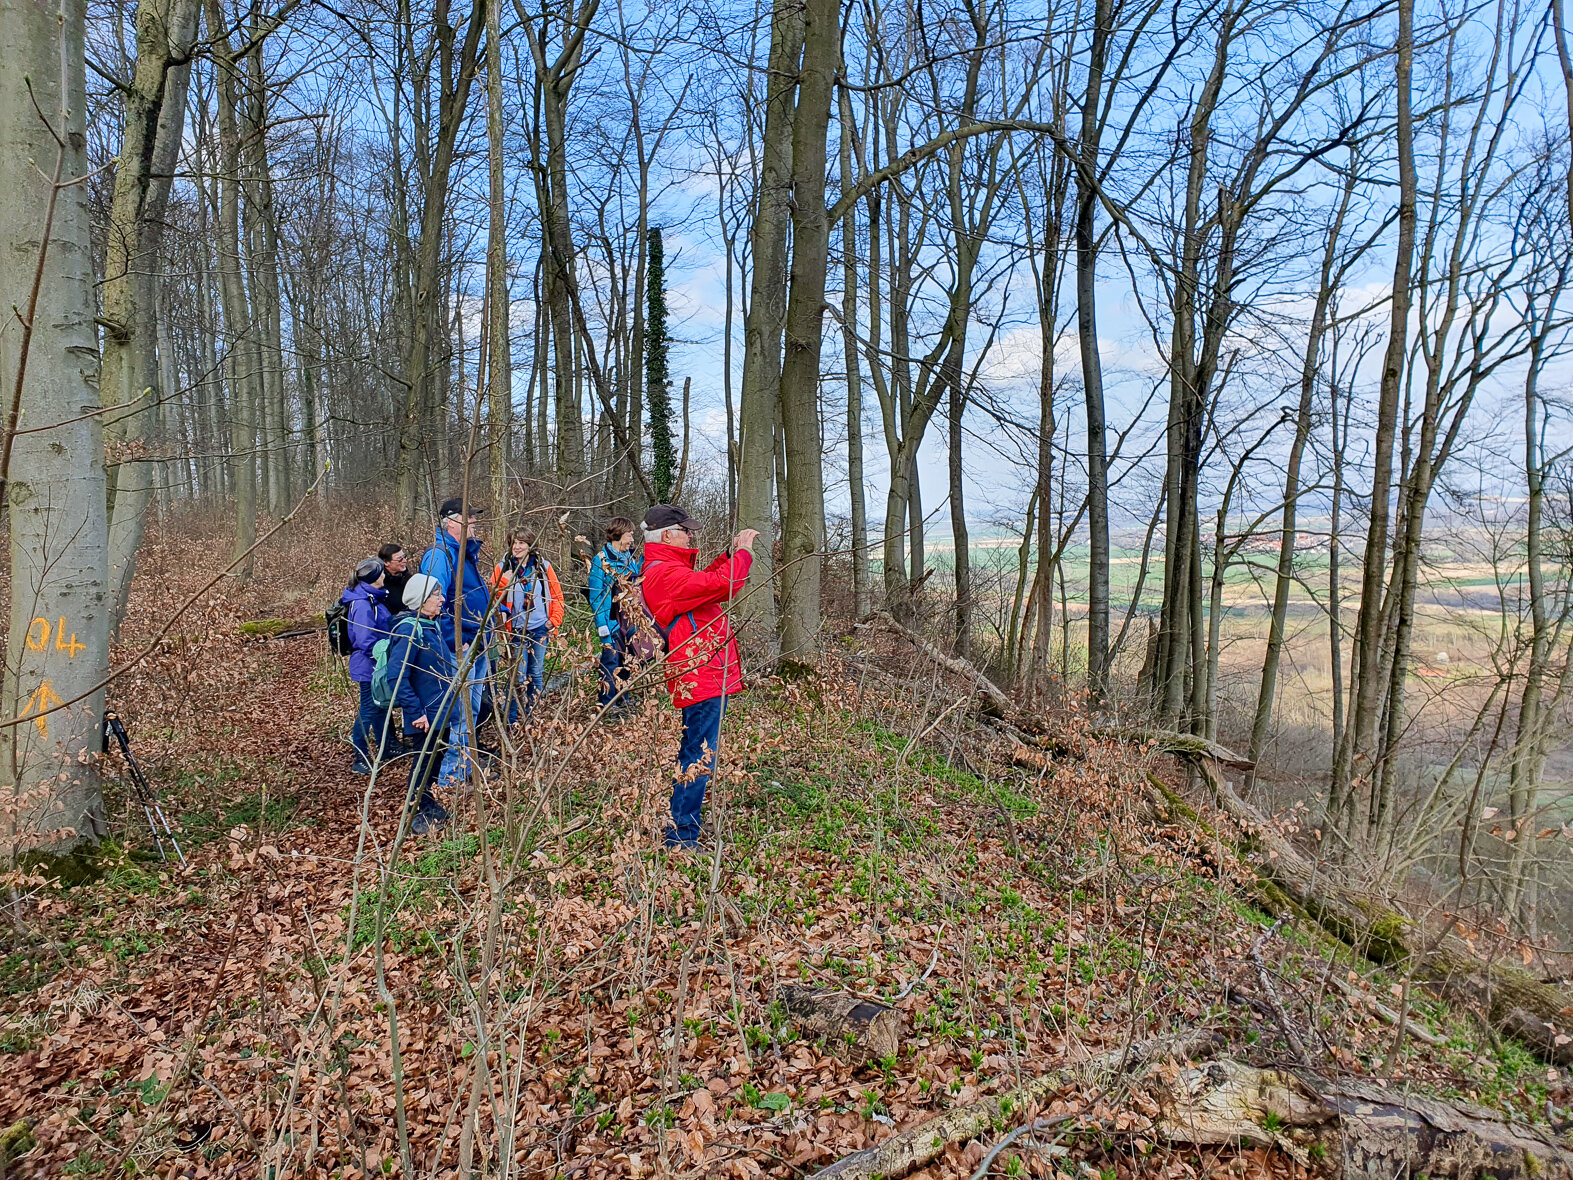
(369, 621)
(454, 560)
(613, 572)
(420, 672)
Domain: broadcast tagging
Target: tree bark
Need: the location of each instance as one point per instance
(766, 319)
(1352, 759)
(499, 377)
(57, 640)
(861, 597)
(1087, 196)
(243, 364)
(1374, 1132)
(155, 110)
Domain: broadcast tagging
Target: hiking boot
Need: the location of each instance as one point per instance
(692, 849)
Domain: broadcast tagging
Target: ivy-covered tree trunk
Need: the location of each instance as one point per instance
(657, 371)
(57, 643)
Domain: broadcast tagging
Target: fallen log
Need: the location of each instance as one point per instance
(1537, 1014)
(854, 1028)
(918, 1145)
(999, 701)
(1412, 1028)
(1002, 706)
(1181, 745)
(1368, 1131)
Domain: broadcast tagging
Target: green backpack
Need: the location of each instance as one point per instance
(382, 685)
(381, 690)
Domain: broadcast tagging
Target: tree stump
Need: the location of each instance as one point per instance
(855, 1029)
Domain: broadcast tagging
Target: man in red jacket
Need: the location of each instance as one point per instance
(689, 606)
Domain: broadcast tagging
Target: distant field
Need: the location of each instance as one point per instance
(1445, 581)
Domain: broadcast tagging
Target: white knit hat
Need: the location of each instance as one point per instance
(419, 588)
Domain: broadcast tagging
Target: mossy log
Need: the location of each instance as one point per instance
(1370, 1131)
(16, 1141)
(281, 628)
(1537, 1014)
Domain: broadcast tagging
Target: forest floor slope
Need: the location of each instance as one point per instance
(566, 993)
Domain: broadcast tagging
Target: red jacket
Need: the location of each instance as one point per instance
(703, 665)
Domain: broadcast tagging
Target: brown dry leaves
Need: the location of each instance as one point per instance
(625, 1024)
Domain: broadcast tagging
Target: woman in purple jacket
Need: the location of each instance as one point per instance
(369, 622)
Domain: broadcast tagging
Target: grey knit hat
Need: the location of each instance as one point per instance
(418, 589)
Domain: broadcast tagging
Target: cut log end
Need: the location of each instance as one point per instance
(854, 1028)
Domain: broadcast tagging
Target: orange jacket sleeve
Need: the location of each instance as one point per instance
(554, 602)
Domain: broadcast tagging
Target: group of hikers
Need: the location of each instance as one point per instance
(427, 643)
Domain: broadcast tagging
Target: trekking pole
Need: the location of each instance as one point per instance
(146, 795)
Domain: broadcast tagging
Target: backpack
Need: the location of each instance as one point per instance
(338, 620)
(381, 690)
(647, 639)
(381, 685)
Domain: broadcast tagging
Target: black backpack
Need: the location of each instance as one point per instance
(338, 619)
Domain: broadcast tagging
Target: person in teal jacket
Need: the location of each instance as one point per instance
(613, 574)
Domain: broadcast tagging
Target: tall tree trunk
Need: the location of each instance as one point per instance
(425, 362)
(862, 601)
(1283, 581)
(1087, 182)
(960, 542)
(1353, 757)
(1178, 625)
(155, 110)
(499, 377)
(243, 364)
(57, 639)
(803, 529)
(657, 371)
(765, 320)
(1529, 744)
(554, 82)
(266, 296)
(1565, 60)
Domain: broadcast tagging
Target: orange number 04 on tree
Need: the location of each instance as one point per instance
(38, 632)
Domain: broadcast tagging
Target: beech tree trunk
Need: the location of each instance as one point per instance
(499, 376)
(155, 110)
(57, 640)
(243, 364)
(803, 530)
(1352, 758)
(766, 318)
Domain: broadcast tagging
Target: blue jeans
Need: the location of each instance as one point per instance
(370, 722)
(695, 760)
(532, 665)
(613, 648)
(456, 762)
